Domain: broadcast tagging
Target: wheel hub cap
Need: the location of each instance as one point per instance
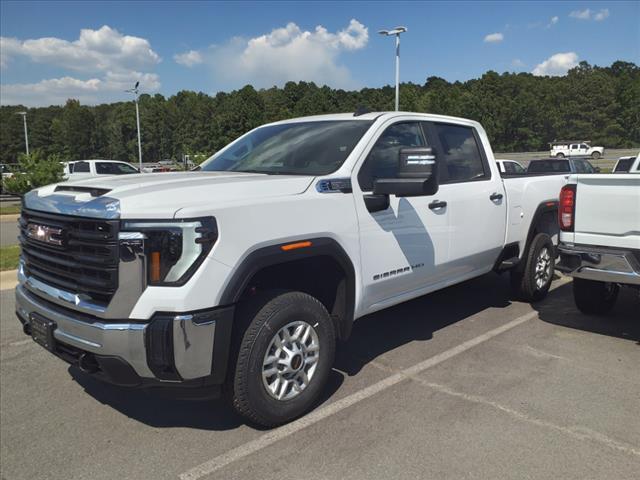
(290, 360)
(543, 268)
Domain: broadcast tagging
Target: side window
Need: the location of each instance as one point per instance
(104, 168)
(517, 168)
(580, 166)
(81, 167)
(509, 167)
(383, 159)
(588, 168)
(459, 154)
(584, 146)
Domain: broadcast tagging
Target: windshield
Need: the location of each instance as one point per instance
(305, 148)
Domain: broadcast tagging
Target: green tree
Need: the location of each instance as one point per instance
(33, 171)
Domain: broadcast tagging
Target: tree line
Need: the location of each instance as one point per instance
(520, 112)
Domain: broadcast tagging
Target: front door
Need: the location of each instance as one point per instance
(405, 247)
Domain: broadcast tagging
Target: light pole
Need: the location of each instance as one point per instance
(26, 135)
(134, 91)
(396, 31)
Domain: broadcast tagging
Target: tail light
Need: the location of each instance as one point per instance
(567, 208)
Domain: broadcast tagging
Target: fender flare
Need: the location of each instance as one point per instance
(275, 255)
(543, 207)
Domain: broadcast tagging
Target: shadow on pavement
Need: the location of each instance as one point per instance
(418, 319)
(622, 322)
(372, 336)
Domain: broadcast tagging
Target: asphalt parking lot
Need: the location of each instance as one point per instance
(463, 383)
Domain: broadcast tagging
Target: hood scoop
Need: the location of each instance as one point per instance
(93, 191)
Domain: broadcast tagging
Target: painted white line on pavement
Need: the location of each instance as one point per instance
(312, 418)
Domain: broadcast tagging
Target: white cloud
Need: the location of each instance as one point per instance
(494, 38)
(56, 91)
(588, 14)
(517, 63)
(581, 14)
(95, 50)
(556, 65)
(286, 53)
(188, 59)
(554, 20)
(113, 61)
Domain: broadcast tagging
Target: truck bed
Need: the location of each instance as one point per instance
(525, 193)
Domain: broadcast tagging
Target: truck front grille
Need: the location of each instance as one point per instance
(76, 254)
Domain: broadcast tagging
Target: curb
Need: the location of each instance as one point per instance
(8, 279)
(11, 217)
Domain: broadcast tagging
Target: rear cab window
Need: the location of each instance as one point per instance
(541, 166)
(80, 167)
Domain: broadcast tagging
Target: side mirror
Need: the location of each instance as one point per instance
(417, 175)
(596, 169)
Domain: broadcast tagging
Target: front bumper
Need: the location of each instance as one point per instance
(602, 264)
(187, 349)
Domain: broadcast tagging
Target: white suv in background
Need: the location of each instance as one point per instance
(567, 148)
(97, 168)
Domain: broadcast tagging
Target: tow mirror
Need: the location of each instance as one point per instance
(417, 175)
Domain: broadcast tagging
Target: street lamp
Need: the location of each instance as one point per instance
(26, 135)
(396, 31)
(134, 91)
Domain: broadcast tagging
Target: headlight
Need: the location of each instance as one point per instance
(174, 249)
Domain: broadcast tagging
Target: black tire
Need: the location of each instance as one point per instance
(594, 297)
(265, 315)
(559, 155)
(595, 155)
(524, 280)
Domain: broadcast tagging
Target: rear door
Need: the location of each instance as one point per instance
(475, 199)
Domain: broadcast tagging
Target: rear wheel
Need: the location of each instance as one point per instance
(594, 297)
(595, 155)
(284, 357)
(532, 281)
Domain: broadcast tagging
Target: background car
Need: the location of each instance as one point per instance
(97, 168)
(623, 164)
(511, 167)
(561, 165)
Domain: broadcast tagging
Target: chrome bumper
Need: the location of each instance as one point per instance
(190, 336)
(599, 263)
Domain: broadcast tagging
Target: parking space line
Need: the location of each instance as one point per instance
(312, 418)
(577, 432)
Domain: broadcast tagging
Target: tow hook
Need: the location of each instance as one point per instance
(87, 363)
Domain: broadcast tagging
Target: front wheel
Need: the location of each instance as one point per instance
(560, 155)
(284, 357)
(532, 281)
(595, 155)
(594, 297)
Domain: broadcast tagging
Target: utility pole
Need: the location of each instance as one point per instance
(26, 134)
(134, 91)
(396, 31)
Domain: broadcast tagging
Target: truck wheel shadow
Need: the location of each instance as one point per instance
(418, 319)
(622, 322)
(160, 410)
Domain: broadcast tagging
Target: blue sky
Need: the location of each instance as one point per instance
(213, 46)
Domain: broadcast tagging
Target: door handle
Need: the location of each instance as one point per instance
(495, 196)
(436, 204)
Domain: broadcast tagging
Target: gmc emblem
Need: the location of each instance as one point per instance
(45, 234)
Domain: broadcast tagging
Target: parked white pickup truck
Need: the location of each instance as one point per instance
(241, 276)
(599, 216)
(574, 148)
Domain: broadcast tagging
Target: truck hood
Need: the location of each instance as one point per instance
(160, 195)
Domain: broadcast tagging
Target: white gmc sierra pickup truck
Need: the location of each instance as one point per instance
(240, 277)
(599, 218)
